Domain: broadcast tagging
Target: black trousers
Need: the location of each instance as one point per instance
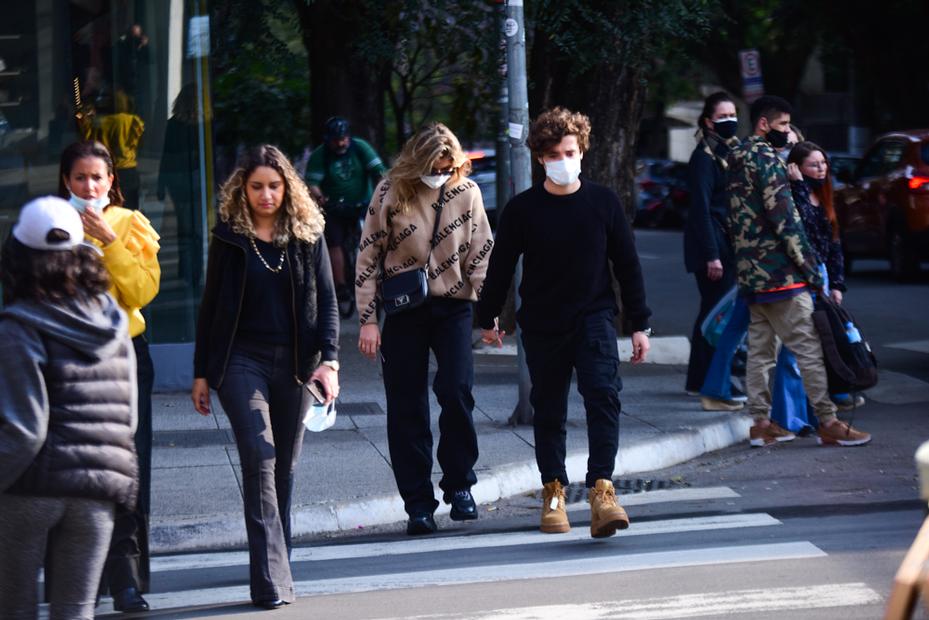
(263, 402)
(701, 351)
(590, 350)
(444, 326)
(127, 563)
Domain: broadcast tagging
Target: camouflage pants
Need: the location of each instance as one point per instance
(791, 320)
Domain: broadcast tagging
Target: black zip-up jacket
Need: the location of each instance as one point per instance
(706, 231)
(313, 301)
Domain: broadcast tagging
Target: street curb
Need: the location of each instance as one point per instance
(664, 350)
(227, 531)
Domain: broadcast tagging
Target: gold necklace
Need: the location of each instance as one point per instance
(280, 263)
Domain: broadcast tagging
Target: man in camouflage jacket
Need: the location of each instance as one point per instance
(776, 270)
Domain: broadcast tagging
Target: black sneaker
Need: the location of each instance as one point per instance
(463, 506)
(421, 523)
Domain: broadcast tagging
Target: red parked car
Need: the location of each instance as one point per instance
(883, 209)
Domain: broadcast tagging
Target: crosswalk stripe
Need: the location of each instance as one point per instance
(474, 541)
(691, 605)
(501, 572)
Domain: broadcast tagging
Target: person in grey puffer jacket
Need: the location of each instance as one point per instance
(67, 414)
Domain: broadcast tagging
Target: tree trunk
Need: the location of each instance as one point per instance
(342, 83)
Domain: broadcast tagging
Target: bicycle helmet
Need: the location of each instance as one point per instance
(336, 127)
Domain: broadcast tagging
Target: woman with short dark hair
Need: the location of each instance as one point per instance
(67, 414)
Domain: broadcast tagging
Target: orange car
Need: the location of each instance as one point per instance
(883, 210)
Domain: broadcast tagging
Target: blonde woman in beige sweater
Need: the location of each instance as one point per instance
(428, 180)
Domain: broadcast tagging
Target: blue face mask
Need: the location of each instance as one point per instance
(95, 204)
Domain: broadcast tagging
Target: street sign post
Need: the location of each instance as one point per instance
(750, 68)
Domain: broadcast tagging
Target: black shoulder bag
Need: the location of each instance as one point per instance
(409, 289)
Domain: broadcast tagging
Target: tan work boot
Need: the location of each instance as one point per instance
(554, 516)
(606, 516)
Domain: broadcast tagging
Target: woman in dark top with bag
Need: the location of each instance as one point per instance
(426, 226)
(707, 253)
(811, 186)
(268, 325)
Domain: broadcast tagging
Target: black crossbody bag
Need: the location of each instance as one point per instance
(410, 289)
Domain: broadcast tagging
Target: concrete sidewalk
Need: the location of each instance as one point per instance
(344, 480)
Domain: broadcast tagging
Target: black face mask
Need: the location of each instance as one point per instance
(814, 183)
(776, 138)
(726, 129)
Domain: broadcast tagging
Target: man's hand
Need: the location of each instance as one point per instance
(836, 296)
(714, 269)
(330, 380)
(640, 347)
(317, 195)
(493, 336)
(369, 340)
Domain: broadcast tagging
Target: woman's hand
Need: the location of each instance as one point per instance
(369, 340)
(714, 269)
(95, 226)
(836, 296)
(200, 395)
(640, 347)
(793, 172)
(329, 378)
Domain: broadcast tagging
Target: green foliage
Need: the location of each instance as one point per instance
(634, 33)
(260, 79)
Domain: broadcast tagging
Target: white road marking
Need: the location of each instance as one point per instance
(919, 346)
(502, 572)
(664, 349)
(691, 605)
(478, 541)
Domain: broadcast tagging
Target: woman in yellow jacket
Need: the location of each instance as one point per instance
(129, 246)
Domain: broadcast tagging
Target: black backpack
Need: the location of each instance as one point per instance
(850, 363)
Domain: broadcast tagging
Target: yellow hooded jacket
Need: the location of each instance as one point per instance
(132, 263)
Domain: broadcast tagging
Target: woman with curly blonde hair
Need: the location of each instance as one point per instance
(426, 215)
(268, 326)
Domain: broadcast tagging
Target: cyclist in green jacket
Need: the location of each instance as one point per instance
(341, 175)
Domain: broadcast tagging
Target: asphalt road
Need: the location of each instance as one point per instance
(793, 531)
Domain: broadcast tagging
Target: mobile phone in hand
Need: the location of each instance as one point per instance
(316, 389)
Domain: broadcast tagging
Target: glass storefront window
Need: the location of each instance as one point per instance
(136, 74)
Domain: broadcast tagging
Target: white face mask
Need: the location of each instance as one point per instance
(95, 204)
(435, 181)
(563, 171)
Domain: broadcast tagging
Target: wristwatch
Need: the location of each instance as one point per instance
(331, 364)
(647, 331)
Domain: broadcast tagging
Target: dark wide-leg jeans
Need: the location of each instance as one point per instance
(590, 350)
(263, 402)
(444, 326)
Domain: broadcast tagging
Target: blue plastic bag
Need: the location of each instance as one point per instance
(717, 319)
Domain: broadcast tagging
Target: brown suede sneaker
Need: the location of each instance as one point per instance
(759, 436)
(554, 516)
(841, 434)
(606, 516)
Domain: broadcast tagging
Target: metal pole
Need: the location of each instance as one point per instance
(521, 164)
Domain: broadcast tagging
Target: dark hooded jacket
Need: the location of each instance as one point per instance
(314, 307)
(68, 401)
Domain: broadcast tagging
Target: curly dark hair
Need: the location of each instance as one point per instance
(551, 126)
(50, 275)
(80, 150)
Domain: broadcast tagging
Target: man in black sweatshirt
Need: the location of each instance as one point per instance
(568, 231)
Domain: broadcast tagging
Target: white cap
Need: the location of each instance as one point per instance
(42, 215)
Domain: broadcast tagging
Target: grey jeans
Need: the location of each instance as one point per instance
(69, 536)
(262, 400)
